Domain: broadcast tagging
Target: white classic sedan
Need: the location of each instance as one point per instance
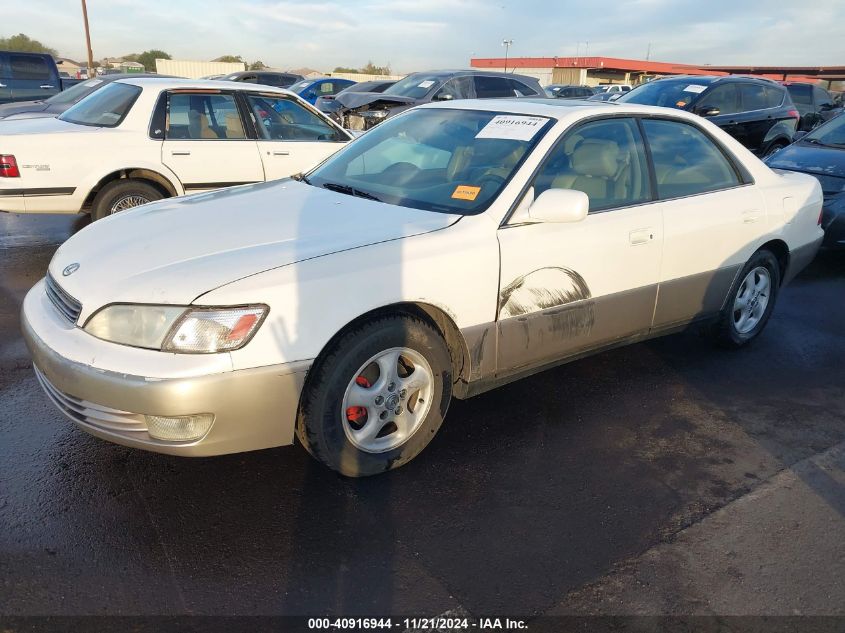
(451, 249)
(140, 140)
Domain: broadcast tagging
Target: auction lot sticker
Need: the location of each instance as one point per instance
(465, 192)
(509, 126)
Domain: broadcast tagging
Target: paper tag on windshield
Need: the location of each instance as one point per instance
(514, 127)
(426, 84)
(695, 88)
(93, 82)
(465, 192)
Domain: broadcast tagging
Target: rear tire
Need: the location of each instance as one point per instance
(357, 415)
(774, 148)
(750, 302)
(121, 195)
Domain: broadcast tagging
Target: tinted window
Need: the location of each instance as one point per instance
(450, 161)
(605, 159)
(26, 67)
(281, 119)
(686, 162)
(723, 97)
(821, 97)
(106, 107)
(520, 89)
(415, 86)
(456, 88)
(669, 93)
(754, 97)
(774, 96)
(492, 87)
(204, 117)
(801, 94)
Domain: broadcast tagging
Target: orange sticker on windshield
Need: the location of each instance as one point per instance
(464, 192)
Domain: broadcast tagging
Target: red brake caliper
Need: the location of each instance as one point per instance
(358, 415)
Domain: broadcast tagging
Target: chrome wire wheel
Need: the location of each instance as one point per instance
(387, 400)
(751, 299)
(127, 202)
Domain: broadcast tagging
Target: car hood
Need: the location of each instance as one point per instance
(825, 163)
(352, 100)
(7, 109)
(173, 251)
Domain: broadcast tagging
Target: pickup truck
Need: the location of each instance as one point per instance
(29, 76)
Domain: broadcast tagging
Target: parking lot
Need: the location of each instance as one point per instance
(667, 477)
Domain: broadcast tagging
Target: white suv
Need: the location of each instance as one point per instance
(140, 140)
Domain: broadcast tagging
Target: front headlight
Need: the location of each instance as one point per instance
(177, 328)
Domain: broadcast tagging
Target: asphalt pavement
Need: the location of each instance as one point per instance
(668, 477)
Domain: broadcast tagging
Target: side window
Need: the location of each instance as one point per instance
(774, 96)
(251, 79)
(723, 97)
(801, 94)
(26, 67)
(754, 97)
(686, 162)
(203, 117)
(492, 87)
(455, 88)
(269, 79)
(282, 119)
(520, 89)
(604, 159)
(821, 97)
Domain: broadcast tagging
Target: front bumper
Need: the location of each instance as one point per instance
(252, 408)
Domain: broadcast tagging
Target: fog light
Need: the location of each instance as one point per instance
(179, 429)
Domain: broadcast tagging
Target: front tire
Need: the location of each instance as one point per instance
(121, 195)
(750, 302)
(376, 399)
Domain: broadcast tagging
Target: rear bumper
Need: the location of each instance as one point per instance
(252, 408)
(800, 257)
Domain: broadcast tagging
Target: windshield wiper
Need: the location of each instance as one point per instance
(350, 191)
(815, 141)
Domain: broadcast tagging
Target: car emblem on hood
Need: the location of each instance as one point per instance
(70, 269)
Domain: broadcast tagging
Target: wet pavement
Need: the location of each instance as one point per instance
(585, 489)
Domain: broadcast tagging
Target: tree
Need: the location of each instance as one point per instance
(25, 44)
(343, 69)
(148, 59)
(232, 59)
(259, 65)
(371, 69)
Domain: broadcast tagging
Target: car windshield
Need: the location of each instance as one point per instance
(414, 86)
(104, 108)
(75, 93)
(450, 161)
(669, 93)
(302, 85)
(831, 134)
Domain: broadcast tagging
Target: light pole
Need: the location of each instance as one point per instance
(88, 40)
(507, 44)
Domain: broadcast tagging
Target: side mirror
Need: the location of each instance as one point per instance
(826, 107)
(708, 111)
(442, 96)
(798, 136)
(560, 205)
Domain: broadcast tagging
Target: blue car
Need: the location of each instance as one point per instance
(313, 89)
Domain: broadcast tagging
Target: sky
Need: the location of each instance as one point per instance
(414, 35)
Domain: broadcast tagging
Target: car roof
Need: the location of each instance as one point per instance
(470, 71)
(557, 108)
(167, 83)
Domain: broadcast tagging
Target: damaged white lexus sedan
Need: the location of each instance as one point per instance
(450, 250)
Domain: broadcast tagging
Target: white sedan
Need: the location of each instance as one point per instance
(140, 140)
(452, 249)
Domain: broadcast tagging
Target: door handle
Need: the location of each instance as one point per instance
(47, 87)
(180, 153)
(281, 152)
(641, 236)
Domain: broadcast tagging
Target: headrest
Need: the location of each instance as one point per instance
(595, 157)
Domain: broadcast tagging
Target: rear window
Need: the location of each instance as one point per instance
(29, 67)
(106, 107)
(801, 94)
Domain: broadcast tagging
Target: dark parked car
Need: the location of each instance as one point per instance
(27, 76)
(822, 154)
(814, 104)
(329, 105)
(58, 103)
(362, 110)
(757, 112)
(605, 96)
(565, 91)
(264, 77)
